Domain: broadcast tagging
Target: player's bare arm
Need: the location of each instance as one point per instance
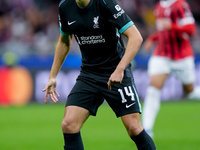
(149, 41)
(134, 42)
(61, 52)
(147, 44)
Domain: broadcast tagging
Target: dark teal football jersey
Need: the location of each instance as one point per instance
(97, 28)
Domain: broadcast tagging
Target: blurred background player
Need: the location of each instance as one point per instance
(173, 54)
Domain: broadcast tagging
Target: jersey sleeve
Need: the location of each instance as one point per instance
(186, 20)
(153, 37)
(62, 22)
(117, 16)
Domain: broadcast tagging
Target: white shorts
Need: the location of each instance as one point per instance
(183, 69)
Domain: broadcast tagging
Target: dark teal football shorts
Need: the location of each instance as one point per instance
(91, 90)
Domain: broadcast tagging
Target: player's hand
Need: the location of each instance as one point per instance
(165, 23)
(50, 90)
(115, 78)
(147, 45)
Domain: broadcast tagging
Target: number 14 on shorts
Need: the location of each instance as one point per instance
(128, 92)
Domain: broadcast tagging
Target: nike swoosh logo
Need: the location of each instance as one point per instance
(70, 23)
(127, 106)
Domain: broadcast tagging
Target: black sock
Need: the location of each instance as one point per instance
(143, 141)
(73, 141)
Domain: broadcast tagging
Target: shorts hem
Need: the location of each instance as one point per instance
(121, 115)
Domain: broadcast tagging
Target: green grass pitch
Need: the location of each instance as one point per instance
(37, 127)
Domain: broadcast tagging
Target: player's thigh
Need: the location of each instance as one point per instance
(76, 113)
(74, 117)
(85, 95)
(158, 80)
(158, 65)
(158, 70)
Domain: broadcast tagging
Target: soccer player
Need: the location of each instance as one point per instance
(173, 54)
(105, 70)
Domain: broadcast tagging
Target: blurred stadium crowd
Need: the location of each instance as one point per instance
(31, 26)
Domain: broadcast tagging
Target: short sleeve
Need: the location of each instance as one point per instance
(185, 14)
(62, 22)
(117, 15)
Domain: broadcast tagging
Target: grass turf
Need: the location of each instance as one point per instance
(37, 127)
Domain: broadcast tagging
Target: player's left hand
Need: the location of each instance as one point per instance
(115, 78)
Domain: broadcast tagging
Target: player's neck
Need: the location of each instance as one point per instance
(82, 3)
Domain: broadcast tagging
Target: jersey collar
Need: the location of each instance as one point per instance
(167, 3)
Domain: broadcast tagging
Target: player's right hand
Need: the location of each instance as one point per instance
(115, 78)
(50, 90)
(147, 45)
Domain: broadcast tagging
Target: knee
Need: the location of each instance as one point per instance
(157, 85)
(188, 88)
(69, 126)
(158, 80)
(133, 124)
(134, 130)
